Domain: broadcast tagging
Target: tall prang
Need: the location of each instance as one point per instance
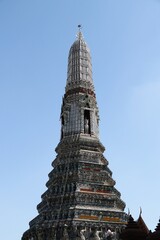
(81, 199)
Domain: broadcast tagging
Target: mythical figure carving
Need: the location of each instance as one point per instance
(80, 234)
(109, 234)
(65, 234)
(94, 234)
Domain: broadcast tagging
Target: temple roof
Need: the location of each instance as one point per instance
(142, 224)
(156, 234)
(133, 231)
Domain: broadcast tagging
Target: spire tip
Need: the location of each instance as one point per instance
(79, 27)
(79, 34)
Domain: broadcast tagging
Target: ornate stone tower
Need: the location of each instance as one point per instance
(81, 198)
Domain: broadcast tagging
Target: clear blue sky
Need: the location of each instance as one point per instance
(35, 37)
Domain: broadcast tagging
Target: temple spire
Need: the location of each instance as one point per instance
(79, 72)
(81, 194)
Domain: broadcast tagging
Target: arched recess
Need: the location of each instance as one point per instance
(87, 121)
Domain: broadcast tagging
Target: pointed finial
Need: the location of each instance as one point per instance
(79, 34)
(79, 27)
(128, 212)
(140, 213)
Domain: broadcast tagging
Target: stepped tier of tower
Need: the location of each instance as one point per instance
(81, 197)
